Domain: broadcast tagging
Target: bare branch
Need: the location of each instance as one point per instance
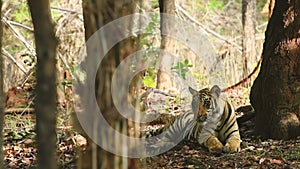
(7, 54)
(65, 10)
(19, 35)
(207, 29)
(20, 25)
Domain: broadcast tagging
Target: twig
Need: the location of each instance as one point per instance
(19, 36)
(207, 29)
(244, 79)
(65, 10)
(65, 63)
(161, 92)
(228, 4)
(7, 12)
(7, 54)
(18, 110)
(20, 25)
(27, 77)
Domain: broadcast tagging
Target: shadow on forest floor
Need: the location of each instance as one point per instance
(255, 152)
(20, 145)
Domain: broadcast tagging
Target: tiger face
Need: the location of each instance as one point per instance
(202, 103)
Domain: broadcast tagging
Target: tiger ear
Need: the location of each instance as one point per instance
(215, 90)
(193, 91)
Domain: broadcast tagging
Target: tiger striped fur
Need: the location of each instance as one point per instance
(220, 129)
(212, 122)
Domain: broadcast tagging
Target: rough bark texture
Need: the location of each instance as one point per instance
(249, 51)
(164, 80)
(2, 96)
(275, 94)
(97, 13)
(45, 101)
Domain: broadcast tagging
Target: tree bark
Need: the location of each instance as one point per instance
(96, 15)
(249, 51)
(164, 79)
(45, 101)
(275, 94)
(2, 96)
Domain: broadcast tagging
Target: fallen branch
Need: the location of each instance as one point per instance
(18, 110)
(246, 117)
(248, 113)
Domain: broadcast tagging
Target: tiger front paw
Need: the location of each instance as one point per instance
(232, 146)
(213, 144)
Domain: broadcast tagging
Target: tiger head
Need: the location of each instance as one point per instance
(204, 101)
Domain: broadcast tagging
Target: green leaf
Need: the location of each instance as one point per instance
(186, 61)
(215, 4)
(149, 82)
(181, 65)
(17, 136)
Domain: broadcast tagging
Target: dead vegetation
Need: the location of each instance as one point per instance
(19, 143)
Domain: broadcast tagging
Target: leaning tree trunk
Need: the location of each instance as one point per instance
(275, 94)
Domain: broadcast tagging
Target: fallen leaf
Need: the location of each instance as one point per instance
(272, 161)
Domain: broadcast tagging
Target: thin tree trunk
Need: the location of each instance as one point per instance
(2, 96)
(164, 79)
(45, 101)
(249, 52)
(275, 94)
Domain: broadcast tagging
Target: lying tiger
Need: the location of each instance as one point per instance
(212, 122)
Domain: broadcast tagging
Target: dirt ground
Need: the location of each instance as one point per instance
(255, 153)
(20, 146)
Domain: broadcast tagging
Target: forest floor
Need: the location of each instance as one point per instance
(20, 146)
(255, 152)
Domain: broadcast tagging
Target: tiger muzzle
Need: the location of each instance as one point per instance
(201, 118)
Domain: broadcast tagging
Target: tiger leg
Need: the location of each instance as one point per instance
(213, 144)
(232, 145)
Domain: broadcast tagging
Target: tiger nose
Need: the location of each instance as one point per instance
(201, 118)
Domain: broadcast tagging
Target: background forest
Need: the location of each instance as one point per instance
(233, 31)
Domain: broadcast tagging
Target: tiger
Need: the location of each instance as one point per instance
(212, 122)
(220, 131)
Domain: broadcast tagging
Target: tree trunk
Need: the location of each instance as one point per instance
(164, 79)
(2, 96)
(45, 101)
(275, 94)
(96, 15)
(249, 52)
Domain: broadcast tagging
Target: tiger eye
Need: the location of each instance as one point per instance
(206, 102)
